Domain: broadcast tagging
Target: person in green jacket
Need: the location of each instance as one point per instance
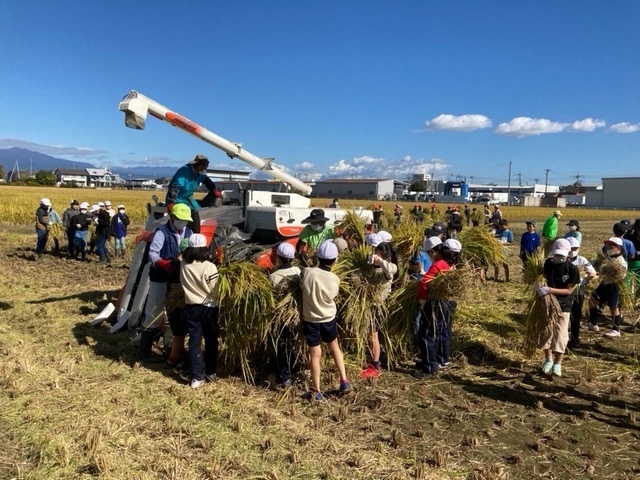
(550, 231)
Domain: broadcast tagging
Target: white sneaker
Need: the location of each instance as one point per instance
(197, 383)
(612, 333)
(593, 328)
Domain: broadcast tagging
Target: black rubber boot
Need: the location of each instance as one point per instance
(146, 343)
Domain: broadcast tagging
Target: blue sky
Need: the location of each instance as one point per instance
(356, 88)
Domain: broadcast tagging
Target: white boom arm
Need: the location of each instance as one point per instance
(135, 107)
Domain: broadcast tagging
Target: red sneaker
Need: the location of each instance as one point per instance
(370, 372)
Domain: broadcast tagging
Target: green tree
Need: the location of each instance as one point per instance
(44, 177)
(1, 170)
(417, 187)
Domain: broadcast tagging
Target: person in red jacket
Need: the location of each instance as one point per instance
(434, 333)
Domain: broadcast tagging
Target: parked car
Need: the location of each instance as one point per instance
(488, 201)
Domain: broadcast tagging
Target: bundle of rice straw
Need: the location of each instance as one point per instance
(408, 238)
(353, 222)
(480, 248)
(544, 312)
(534, 267)
(287, 314)
(403, 309)
(246, 300)
(451, 284)
(358, 301)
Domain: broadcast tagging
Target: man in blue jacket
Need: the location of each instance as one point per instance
(187, 180)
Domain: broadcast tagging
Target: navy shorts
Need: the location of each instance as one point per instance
(326, 332)
(609, 294)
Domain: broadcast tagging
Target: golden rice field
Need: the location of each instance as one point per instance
(20, 203)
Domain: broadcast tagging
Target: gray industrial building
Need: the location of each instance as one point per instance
(360, 188)
(617, 192)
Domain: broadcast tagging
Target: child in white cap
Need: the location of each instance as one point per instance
(320, 287)
(561, 277)
(199, 279)
(285, 343)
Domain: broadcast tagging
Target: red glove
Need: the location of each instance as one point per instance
(169, 207)
(167, 265)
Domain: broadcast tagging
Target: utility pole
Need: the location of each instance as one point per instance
(519, 179)
(509, 186)
(471, 177)
(546, 180)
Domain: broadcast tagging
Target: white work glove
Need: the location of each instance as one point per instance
(536, 285)
(542, 291)
(78, 225)
(583, 282)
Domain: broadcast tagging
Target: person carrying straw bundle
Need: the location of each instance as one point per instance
(320, 287)
(436, 314)
(384, 270)
(561, 277)
(613, 272)
(285, 341)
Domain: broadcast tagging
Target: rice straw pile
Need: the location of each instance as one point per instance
(543, 313)
(245, 296)
(451, 284)
(480, 248)
(403, 310)
(287, 314)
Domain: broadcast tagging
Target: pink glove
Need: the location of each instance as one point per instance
(166, 265)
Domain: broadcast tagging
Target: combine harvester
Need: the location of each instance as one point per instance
(245, 215)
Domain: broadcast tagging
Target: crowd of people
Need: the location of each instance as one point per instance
(86, 228)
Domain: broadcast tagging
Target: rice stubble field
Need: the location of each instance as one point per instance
(76, 403)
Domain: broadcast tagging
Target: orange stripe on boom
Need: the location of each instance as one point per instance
(183, 123)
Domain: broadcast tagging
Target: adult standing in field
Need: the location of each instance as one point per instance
(67, 215)
(184, 184)
(561, 277)
(119, 224)
(163, 254)
(314, 233)
(487, 214)
(573, 231)
(103, 227)
(467, 214)
(42, 226)
(530, 242)
(550, 230)
(633, 235)
(584, 267)
(496, 216)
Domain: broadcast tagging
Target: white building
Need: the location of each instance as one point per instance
(617, 192)
(70, 176)
(421, 177)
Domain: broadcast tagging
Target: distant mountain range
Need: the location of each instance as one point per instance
(28, 159)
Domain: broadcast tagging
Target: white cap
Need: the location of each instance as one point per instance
(45, 201)
(107, 203)
(373, 239)
(286, 250)
(431, 242)
(561, 247)
(197, 240)
(120, 207)
(101, 204)
(385, 236)
(328, 250)
(574, 242)
(615, 240)
(453, 245)
(84, 205)
(95, 208)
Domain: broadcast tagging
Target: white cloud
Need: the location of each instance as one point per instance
(304, 167)
(586, 125)
(625, 127)
(50, 149)
(461, 123)
(374, 167)
(527, 126)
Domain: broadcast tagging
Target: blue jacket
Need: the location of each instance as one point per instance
(183, 185)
